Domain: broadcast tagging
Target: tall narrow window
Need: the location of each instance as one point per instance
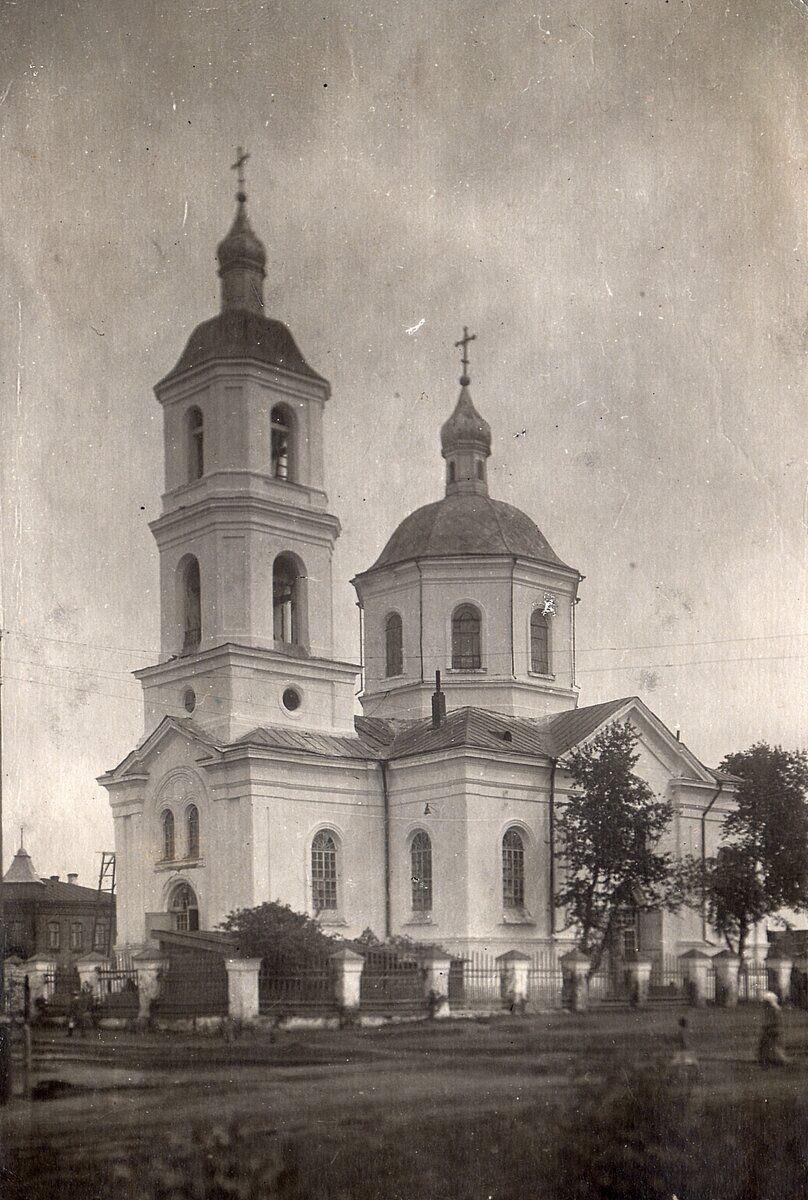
(281, 421)
(76, 935)
(183, 909)
(451, 472)
(421, 872)
(324, 872)
(513, 870)
(54, 935)
(394, 645)
(466, 653)
(168, 834)
(286, 600)
(101, 936)
(196, 443)
(539, 643)
(192, 830)
(192, 607)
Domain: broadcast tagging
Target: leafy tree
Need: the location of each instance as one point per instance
(609, 830)
(733, 893)
(282, 937)
(764, 865)
(770, 820)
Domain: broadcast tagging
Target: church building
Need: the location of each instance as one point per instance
(432, 815)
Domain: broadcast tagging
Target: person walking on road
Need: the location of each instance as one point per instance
(770, 1052)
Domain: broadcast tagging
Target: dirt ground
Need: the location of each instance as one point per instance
(114, 1095)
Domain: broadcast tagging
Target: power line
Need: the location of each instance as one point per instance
(154, 652)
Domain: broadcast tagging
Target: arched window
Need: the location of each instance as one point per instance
(286, 600)
(192, 607)
(324, 872)
(513, 870)
(282, 442)
(421, 872)
(394, 645)
(539, 643)
(192, 830)
(466, 653)
(168, 834)
(195, 427)
(183, 908)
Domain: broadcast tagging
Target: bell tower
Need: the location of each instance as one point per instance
(244, 536)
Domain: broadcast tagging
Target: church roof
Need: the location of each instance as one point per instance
(242, 333)
(308, 742)
(467, 523)
(481, 729)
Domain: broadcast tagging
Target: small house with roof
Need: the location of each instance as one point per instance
(432, 814)
(47, 917)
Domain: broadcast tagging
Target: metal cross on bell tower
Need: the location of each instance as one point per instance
(242, 156)
(464, 342)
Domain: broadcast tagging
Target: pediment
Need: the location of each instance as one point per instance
(655, 740)
(173, 739)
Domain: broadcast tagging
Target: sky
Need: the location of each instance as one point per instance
(610, 194)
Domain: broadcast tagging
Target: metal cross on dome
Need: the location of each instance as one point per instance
(464, 342)
(241, 157)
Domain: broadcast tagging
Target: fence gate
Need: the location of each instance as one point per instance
(61, 985)
(116, 988)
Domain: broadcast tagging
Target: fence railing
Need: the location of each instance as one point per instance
(307, 989)
(391, 982)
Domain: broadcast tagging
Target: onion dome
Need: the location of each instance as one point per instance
(242, 262)
(465, 429)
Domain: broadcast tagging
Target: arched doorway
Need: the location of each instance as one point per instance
(183, 907)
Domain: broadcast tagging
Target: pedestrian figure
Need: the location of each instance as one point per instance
(770, 1052)
(684, 1064)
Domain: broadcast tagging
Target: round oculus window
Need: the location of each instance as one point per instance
(189, 700)
(291, 699)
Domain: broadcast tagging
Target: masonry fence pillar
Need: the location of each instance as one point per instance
(778, 974)
(87, 968)
(242, 988)
(15, 986)
(515, 973)
(436, 982)
(150, 967)
(575, 991)
(37, 969)
(695, 966)
(638, 978)
(347, 966)
(726, 965)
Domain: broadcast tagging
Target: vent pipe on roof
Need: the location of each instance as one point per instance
(72, 876)
(438, 704)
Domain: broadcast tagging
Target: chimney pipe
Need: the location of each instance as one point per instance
(438, 704)
(72, 876)
(54, 878)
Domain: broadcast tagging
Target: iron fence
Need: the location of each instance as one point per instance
(307, 989)
(194, 985)
(391, 982)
